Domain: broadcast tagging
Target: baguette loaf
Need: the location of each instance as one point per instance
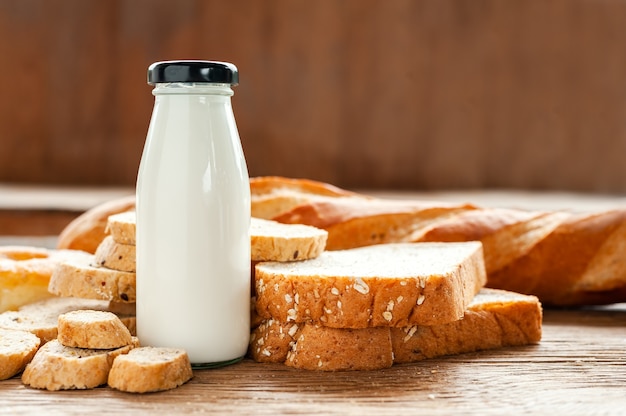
(381, 285)
(564, 258)
(494, 319)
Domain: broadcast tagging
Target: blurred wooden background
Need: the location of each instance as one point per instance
(402, 94)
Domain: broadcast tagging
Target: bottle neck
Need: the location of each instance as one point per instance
(189, 88)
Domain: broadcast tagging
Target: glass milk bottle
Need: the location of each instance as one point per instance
(193, 217)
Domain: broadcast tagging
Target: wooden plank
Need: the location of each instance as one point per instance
(578, 368)
(428, 94)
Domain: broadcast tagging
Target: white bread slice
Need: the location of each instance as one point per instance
(150, 369)
(17, 348)
(382, 285)
(41, 318)
(81, 279)
(92, 329)
(116, 256)
(494, 319)
(57, 367)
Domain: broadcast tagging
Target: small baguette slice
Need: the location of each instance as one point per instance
(273, 241)
(81, 279)
(92, 329)
(57, 367)
(17, 348)
(116, 256)
(494, 319)
(382, 285)
(121, 227)
(150, 369)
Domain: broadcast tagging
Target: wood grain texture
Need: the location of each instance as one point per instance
(578, 368)
(401, 94)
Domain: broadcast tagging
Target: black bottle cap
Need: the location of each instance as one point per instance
(193, 71)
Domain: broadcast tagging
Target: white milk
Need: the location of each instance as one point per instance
(193, 219)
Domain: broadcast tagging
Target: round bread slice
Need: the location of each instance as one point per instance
(116, 256)
(150, 369)
(92, 329)
(122, 227)
(81, 279)
(17, 348)
(273, 241)
(57, 367)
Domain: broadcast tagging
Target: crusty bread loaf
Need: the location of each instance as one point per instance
(150, 369)
(273, 241)
(17, 348)
(25, 273)
(381, 285)
(41, 318)
(57, 367)
(122, 227)
(87, 230)
(564, 258)
(81, 279)
(494, 319)
(92, 329)
(116, 256)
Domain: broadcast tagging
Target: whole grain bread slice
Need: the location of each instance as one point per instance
(122, 227)
(17, 348)
(273, 241)
(382, 285)
(494, 319)
(57, 367)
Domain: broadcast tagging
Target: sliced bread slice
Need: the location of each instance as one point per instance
(382, 285)
(494, 319)
(150, 369)
(81, 279)
(273, 241)
(114, 255)
(57, 367)
(17, 348)
(121, 227)
(92, 329)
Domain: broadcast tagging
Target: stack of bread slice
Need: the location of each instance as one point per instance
(362, 308)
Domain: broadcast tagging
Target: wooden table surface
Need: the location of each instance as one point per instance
(579, 368)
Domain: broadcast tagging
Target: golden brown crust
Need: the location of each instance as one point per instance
(494, 319)
(87, 230)
(149, 369)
